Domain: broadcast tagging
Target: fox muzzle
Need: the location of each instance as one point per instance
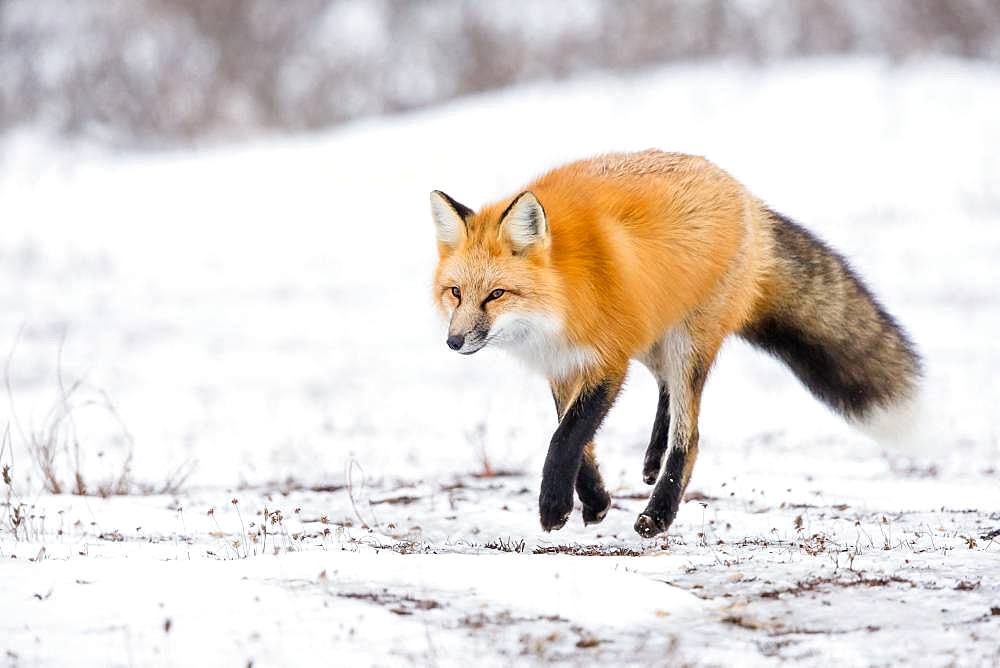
(468, 342)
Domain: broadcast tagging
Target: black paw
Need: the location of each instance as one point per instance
(651, 469)
(595, 514)
(554, 509)
(649, 525)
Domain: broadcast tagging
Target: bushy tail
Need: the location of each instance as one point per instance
(820, 319)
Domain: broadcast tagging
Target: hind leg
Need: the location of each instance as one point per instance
(683, 369)
(589, 484)
(659, 440)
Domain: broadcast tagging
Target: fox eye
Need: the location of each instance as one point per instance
(496, 294)
(456, 292)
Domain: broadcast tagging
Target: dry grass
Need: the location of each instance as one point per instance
(589, 550)
(59, 457)
(509, 545)
(266, 533)
(14, 515)
(817, 583)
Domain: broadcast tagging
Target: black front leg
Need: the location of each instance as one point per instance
(590, 488)
(562, 463)
(589, 484)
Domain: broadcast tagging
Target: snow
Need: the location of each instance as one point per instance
(262, 313)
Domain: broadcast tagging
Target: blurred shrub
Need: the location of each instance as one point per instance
(155, 72)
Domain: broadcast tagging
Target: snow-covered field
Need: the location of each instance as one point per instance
(255, 325)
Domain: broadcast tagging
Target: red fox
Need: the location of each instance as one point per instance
(656, 257)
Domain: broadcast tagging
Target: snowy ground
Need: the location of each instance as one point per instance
(260, 316)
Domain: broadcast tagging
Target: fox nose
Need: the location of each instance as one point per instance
(456, 341)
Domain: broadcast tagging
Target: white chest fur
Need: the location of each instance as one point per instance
(538, 340)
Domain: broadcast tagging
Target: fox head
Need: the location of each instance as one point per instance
(492, 281)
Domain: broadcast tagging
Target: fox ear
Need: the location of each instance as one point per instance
(524, 223)
(449, 218)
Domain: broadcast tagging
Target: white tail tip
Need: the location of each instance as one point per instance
(904, 427)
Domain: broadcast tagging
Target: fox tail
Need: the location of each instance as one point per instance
(819, 318)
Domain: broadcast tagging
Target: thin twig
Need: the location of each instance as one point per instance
(350, 491)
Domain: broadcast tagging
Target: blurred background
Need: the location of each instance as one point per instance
(154, 73)
(215, 250)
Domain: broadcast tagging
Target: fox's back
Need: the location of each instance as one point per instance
(639, 239)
